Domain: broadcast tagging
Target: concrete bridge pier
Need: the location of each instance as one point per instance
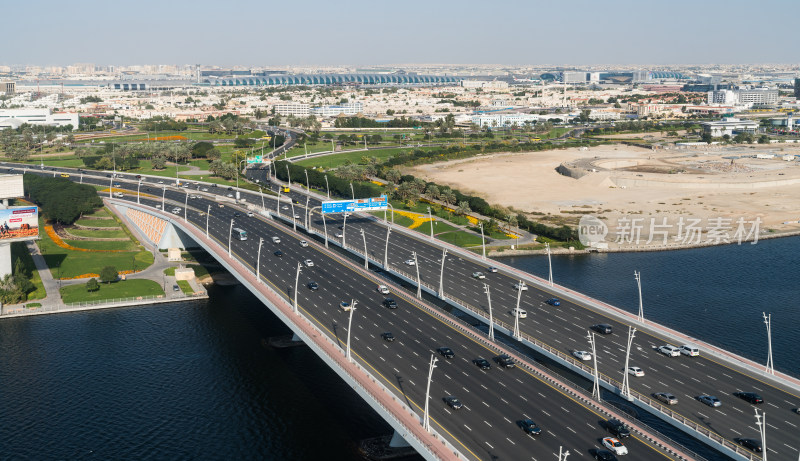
(296, 338)
(398, 441)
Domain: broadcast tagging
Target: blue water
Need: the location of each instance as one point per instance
(716, 294)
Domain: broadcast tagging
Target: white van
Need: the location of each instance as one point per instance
(691, 351)
(276, 240)
(523, 314)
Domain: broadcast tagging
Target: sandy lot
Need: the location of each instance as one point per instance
(633, 188)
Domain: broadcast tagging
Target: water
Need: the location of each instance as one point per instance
(175, 381)
(716, 294)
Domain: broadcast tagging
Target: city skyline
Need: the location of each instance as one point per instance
(618, 32)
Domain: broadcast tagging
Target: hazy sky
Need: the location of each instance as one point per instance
(357, 32)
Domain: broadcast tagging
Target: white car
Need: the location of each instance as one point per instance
(383, 289)
(669, 350)
(276, 240)
(613, 444)
(297, 216)
(410, 262)
(479, 275)
(691, 351)
(345, 306)
(492, 269)
(303, 243)
(636, 371)
(308, 263)
(523, 314)
(284, 207)
(339, 235)
(250, 214)
(205, 189)
(521, 286)
(582, 355)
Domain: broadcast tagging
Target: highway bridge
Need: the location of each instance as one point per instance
(496, 398)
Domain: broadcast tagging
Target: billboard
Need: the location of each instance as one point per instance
(19, 223)
(359, 204)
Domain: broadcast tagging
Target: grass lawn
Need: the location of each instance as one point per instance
(97, 222)
(398, 219)
(111, 233)
(438, 228)
(185, 287)
(121, 289)
(460, 238)
(100, 213)
(170, 271)
(103, 245)
(336, 160)
(67, 161)
(199, 270)
(20, 250)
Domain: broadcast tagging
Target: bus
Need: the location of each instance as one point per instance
(242, 234)
(65, 175)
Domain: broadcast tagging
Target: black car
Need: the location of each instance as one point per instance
(505, 361)
(602, 328)
(446, 352)
(236, 214)
(387, 336)
(453, 402)
(750, 397)
(390, 303)
(213, 185)
(616, 427)
(604, 455)
(750, 444)
(313, 286)
(483, 364)
(278, 253)
(230, 188)
(529, 427)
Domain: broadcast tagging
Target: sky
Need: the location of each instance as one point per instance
(380, 32)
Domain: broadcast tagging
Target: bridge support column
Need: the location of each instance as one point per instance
(296, 338)
(398, 441)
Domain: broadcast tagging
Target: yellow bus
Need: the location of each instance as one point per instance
(65, 175)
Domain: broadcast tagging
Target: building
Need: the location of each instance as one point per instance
(730, 126)
(493, 85)
(13, 118)
(758, 96)
(296, 109)
(573, 77)
(397, 78)
(503, 120)
(724, 97)
(353, 108)
(8, 87)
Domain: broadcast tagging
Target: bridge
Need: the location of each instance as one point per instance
(494, 399)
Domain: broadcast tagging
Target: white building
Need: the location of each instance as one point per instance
(13, 118)
(573, 77)
(353, 108)
(494, 85)
(730, 126)
(298, 110)
(724, 97)
(501, 120)
(757, 96)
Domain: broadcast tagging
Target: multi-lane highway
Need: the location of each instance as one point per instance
(494, 400)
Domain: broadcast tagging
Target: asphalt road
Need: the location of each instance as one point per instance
(493, 400)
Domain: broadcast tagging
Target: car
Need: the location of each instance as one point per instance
(614, 445)
(409, 262)
(308, 263)
(192, 196)
(492, 269)
(505, 361)
(160, 182)
(236, 214)
(483, 364)
(666, 397)
(617, 428)
(750, 444)
(278, 253)
(340, 227)
(303, 243)
(604, 455)
(453, 402)
(390, 303)
(529, 427)
(296, 216)
(582, 355)
(284, 207)
(479, 275)
(116, 184)
(383, 289)
(176, 288)
(345, 306)
(276, 239)
(339, 235)
(387, 336)
(205, 189)
(521, 286)
(691, 351)
(750, 397)
(250, 214)
(518, 311)
(709, 400)
(446, 352)
(636, 371)
(221, 205)
(602, 328)
(214, 185)
(669, 350)
(230, 188)
(554, 302)
(313, 286)
(229, 196)
(158, 207)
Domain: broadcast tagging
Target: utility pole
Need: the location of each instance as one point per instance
(138, 194)
(185, 206)
(308, 221)
(349, 325)
(419, 283)
(278, 203)
(258, 261)
(364, 237)
(565, 454)
(324, 228)
(163, 193)
(327, 187)
(441, 275)
(261, 191)
(768, 323)
(426, 417)
(626, 385)
(638, 276)
(762, 428)
(230, 235)
(516, 312)
(549, 264)
(294, 219)
(386, 250)
(491, 319)
(596, 385)
(296, 282)
(352, 191)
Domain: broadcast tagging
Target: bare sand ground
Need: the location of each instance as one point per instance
(634, 183)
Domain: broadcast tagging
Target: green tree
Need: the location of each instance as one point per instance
(763, 139)
(108, 274)
(92, 285)
(706, 137)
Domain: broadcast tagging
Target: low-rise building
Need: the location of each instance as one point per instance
(13, 118)
(353, 108)
(729, 126)
(298, 110)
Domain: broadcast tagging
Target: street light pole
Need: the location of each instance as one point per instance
(258, 260)
(352, 190)
(364, 237)
(441, 275)
(762, 429)
(327, 186)
(430, 220)
(308, 221)
(288, 176)
(344, 231)
(185, 206)
(324, 228)
(419, 284)
(294, 220)
(565, 454)
(138, 194)
(261, 191)
(296, 282)
(426, 418)
(208, 215)
(638, 276)
(386, 250)
(110, 185)
(491, 319)
(308, 187)
(596, 385)
(349, 325)
(278, 203)
(549, 264)
(230, 235)
(483, 242)
(626, 386)
(516, 312)
(163, 193)
(768, 322)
